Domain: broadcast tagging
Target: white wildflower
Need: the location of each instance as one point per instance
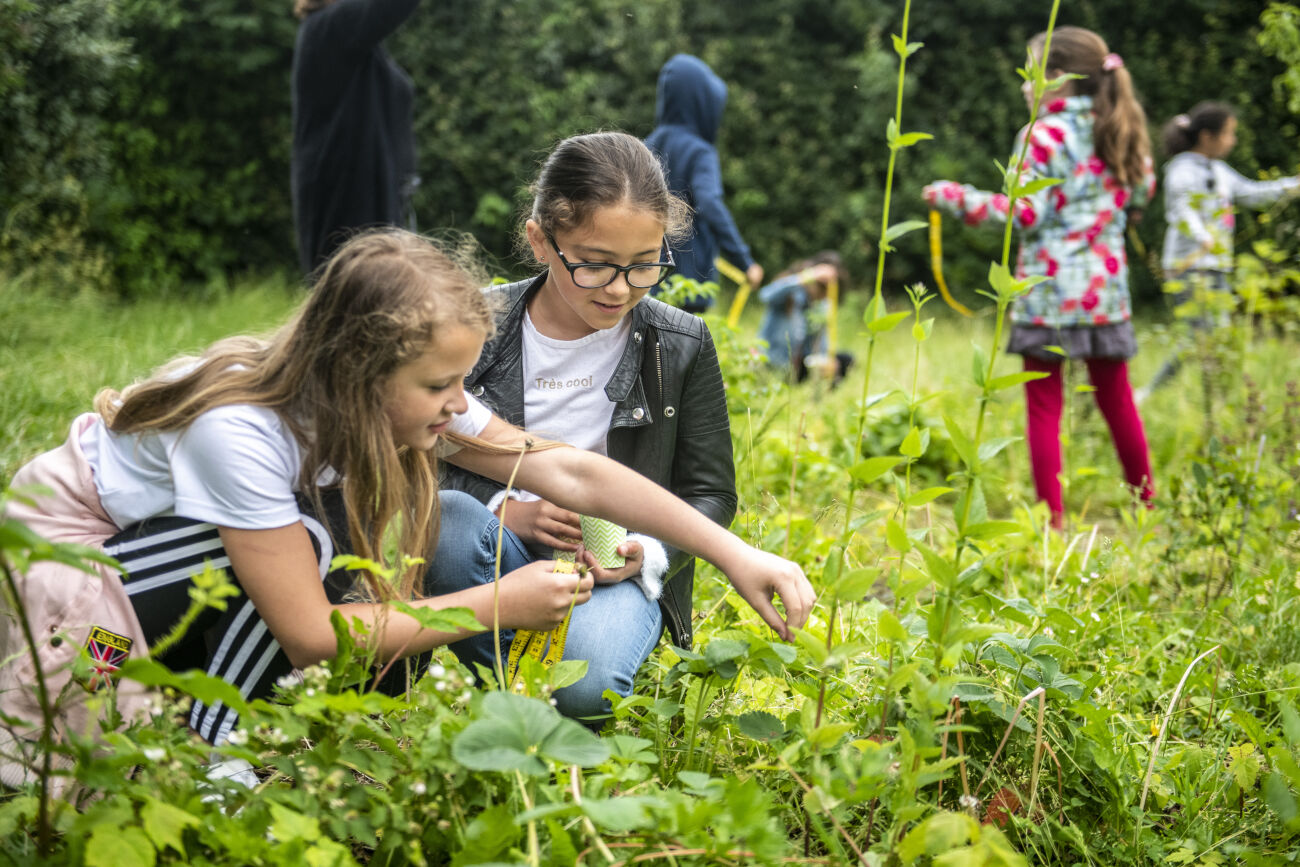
(309, 691)
(440, 686)
(1096, 617)
(155, 754)
(419, 788)
(437, 670)
(238, 738)
(968, 802)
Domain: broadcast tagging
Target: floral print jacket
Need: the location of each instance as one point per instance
(1071, 232)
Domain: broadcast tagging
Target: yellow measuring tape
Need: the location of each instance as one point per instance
(936, 264)
(832, 316)
(737, 276)
(546, 647)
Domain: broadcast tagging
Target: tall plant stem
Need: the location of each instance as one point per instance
(46, 741)
(1011, 184)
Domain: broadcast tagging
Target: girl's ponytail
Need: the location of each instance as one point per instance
(1120, 134)
(1183, 132)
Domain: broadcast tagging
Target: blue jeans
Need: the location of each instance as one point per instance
(614, 631)
(466, 557)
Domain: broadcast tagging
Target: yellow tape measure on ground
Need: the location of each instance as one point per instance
(545, 647)
(737, 276)
(936, 264)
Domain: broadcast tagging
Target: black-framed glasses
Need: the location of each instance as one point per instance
(596, 275)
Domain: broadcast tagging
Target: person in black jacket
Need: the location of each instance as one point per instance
(353, 140)
(583, 356)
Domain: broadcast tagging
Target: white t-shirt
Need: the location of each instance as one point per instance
(234, 466)
(564, 384)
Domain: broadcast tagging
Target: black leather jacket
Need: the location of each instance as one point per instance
(670, 419)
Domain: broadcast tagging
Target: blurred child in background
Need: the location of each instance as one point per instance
(794, 324)
(1200, 192)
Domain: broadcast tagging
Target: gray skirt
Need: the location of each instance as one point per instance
(1115, 341)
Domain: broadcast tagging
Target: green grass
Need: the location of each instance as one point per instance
(56, 353)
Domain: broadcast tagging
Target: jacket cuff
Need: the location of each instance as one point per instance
(654, 564)
(500, 497)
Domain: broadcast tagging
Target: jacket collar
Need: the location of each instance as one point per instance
(506, 350)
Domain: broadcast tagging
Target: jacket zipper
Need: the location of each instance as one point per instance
(659, 370)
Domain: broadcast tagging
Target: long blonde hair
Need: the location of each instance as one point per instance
(1120, 134)
(381, 301)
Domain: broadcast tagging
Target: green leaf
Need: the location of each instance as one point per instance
(621, 814)
(165, 824)
(289, 825)
(631, 749)
(207, 689)
(962, 443)
(854, 584)
(441, 619)
(1028, 188)
(1007, 380)
(922, 328)
(889, 627)
(512, 728)
(992, 529)
(760, 725)
(920, 498)
(989, 449)
(899, 229)
(1000, 279)
(888, 322)
(869, 470)
(906, 140)
(112, 846)
(1278, 796)
(915, 443)
(573, 744)
(896, 537)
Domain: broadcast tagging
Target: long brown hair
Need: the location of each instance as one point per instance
(381, 301)
(1120, 134)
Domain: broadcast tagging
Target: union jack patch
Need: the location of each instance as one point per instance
(108, 651)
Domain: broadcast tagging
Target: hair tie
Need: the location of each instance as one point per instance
(1182, 121)
(1112, 62)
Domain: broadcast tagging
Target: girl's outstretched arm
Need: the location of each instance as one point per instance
(592, 484)
(278, 570)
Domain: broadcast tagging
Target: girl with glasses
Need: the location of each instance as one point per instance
(583, 356)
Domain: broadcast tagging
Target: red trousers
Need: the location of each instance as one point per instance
(1043, 404)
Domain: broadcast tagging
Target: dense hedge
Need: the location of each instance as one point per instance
(156, 132)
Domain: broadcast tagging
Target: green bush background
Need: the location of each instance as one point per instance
(144, 144)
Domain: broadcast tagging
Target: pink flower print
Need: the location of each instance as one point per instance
(1055, 106)
(1052, 266)
(1095, 165)
(1039, 153)
(1112, 265)
(1121, 198)
(1100, 319)
(1069, 305)
(1000, 203)
(1097, 282)
(1229, 219)
(1057, 134)
(1109, 184)
(1059, 200)
(1039, 320)
(1104, 217)
(1090, 299)
(1026, 215)
(1091, 234)
(977, 216)
(1076, 235)
(1101, 251)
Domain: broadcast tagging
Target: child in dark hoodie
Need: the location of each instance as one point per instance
(688, 112)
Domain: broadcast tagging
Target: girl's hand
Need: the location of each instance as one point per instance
(537, 597)
(930, 192)
(542, 522)
(759, 575)
(754, 274)
(630, 550)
